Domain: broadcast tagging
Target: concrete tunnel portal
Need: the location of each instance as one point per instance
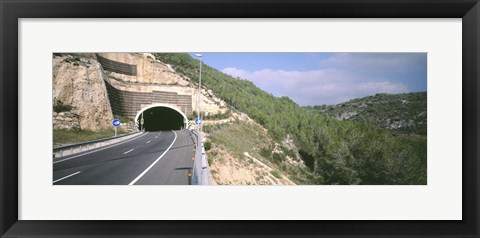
(160, 118)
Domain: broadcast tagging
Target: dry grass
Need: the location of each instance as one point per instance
(233, 148)
(240, 138)
(63, 137)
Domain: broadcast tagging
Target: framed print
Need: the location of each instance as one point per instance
(336, 98)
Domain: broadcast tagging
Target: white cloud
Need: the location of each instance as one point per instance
(234, 72)
(315, 87)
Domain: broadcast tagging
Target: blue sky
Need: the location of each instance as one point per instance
(325, 78)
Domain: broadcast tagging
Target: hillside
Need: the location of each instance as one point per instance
(82, 112)
(335, 152)
(404, 113)
(253, 136)
(256, 138)
(242, 153)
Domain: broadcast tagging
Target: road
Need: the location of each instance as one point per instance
(153, 158)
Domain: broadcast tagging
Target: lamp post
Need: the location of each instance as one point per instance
(199, 108)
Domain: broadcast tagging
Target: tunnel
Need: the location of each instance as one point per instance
(160, 118)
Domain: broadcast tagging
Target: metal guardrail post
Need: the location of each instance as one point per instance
(201, 174)
(196, 164)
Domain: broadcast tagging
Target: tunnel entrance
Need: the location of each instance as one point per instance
(160, 118)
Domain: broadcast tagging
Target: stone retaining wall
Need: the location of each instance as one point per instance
(119, 67)
(65, 120)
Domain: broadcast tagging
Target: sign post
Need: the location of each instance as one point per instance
(198, 121)
(115, 124)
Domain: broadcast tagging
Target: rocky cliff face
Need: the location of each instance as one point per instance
(78, 82)
(65, 120)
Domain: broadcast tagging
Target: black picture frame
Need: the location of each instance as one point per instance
(12, 10)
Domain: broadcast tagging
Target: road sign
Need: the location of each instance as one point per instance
(116, 122)
(198, 121)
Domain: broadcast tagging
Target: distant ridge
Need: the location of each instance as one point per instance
(404, 113)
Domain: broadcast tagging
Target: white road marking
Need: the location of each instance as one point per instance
(128, 151)
(68, 176)
(73, 157)
(156, 136)
(149, 141)
(149, 167)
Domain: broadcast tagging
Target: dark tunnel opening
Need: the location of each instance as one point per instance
(160, 119)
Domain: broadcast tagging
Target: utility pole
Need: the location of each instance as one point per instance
(199, 107)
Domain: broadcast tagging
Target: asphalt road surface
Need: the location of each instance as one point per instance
(153, 158)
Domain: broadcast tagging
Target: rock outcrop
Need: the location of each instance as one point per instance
(78, 82)
(65, 120)
(404, 113)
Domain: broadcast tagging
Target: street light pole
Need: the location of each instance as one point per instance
(199, 108)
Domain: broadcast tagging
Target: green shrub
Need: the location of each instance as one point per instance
(60, 107)
(125, 119)
(193, 115)
(288, 152)
(266, 153)
(276, 173)
(207, 145)
(278, 157)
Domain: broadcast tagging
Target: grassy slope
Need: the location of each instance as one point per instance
(64, 137)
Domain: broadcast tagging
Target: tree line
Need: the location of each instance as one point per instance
(336, 152)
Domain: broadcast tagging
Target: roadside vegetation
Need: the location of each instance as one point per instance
(241, 138)
(334, 151)
(65, 137)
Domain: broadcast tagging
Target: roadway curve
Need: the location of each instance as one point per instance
(159, 158)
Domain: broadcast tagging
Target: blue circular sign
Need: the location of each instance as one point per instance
(198, 121)
(116, 122)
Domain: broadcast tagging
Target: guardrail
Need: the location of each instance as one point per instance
(59, 152)
(201, 171)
